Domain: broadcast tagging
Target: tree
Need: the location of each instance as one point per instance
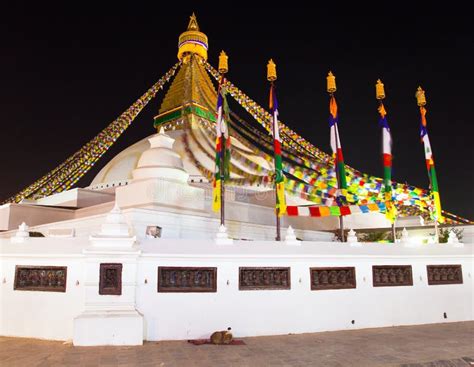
(379, 236)
(444, 234)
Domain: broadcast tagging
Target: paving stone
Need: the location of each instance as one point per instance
(436, 345)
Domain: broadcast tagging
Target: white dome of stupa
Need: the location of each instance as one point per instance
(119, 170)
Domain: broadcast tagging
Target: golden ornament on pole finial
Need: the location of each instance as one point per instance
(271, 71)
(420, 97)
(331, 79)
(223, 63)
(379, 90)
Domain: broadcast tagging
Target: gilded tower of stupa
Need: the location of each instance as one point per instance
(192, 92)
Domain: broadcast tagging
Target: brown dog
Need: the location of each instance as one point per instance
(222, 337)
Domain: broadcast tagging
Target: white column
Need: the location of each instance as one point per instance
(110, 319)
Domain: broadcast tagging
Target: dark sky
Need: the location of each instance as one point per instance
(66, 71)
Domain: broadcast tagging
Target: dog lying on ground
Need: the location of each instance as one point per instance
(222, 337)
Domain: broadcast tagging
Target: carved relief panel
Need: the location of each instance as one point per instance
(391, 275)
(110, 282)
(332, 278)
(187, 279)
(40, 278)
(444, 274)
(263, 278)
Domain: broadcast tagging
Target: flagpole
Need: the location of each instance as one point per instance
(219, 183)
(390, 210)
(331, 88)
(222, 152)
(280, 204)
(338, 176)
(221, 172)
(430, 166)
(394, 232)
(223, 68)
(277, 208)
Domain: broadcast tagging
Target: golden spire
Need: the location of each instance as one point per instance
(193, 23)
(193, 41)
(271, 71)
(420, 97)
(331, 83)
(379, 90)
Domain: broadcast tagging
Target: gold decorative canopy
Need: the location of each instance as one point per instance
(192, 41)
(223, 63)
(420, 97)
(331, 83)
(271, 71)
(379, 90)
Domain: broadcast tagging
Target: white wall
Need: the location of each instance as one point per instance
(77, 198)
(175, 225)
(50, 315)
(299, 310)
(45, 315)
(4, 216)
(12, 215)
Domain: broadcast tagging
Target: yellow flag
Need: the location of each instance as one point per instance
(216, 196)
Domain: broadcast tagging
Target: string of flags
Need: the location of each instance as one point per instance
(362, 189)
(335, 211)
(64, 176)
(306, 171)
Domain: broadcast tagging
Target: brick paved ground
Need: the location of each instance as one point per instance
(450, 344)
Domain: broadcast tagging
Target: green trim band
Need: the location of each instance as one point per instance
(192, 109)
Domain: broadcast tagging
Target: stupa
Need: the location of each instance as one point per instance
(138, 254)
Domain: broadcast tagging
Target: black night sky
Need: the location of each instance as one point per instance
(67, 71)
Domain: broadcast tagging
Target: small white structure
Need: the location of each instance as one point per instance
(405, 237)
(453, 239)
(407, 241)
(222, 238)
(352, 239)
(290, 237)
(22, 234)
(114, 233)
